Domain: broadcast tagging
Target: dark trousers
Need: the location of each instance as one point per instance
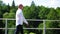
(19, 29)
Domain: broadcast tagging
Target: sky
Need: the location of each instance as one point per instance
(46, 3)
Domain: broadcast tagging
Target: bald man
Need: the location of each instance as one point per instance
(19, 20)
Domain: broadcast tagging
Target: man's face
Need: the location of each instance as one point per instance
(21, 7)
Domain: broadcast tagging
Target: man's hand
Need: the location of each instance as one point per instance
(28, 25)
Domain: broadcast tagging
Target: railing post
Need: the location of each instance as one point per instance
(44, 27)
(6, 27)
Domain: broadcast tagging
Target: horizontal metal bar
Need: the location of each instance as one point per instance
(31, 28)
(52, 28)
(28, 19)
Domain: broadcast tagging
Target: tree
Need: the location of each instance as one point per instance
(0, 2)
(32, 12)
(26, 12)
(32, 4)
(52, 14)
(43, 12)
(58, 13)
(52, 24)
(13, 4)
(8, 7)
(11, 23)
(1, 15)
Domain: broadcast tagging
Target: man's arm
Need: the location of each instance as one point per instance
(25, 21)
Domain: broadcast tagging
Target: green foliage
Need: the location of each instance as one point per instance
(11, 24)
(26, 12)
(40, 25)
(1, 15)
(32, 12)
(58, 13)
(43, 12)
(52, 14)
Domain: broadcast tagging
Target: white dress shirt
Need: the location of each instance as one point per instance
(20, 18)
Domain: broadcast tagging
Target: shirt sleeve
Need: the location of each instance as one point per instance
(25, 21)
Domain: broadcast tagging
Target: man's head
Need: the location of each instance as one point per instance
(20, 6)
